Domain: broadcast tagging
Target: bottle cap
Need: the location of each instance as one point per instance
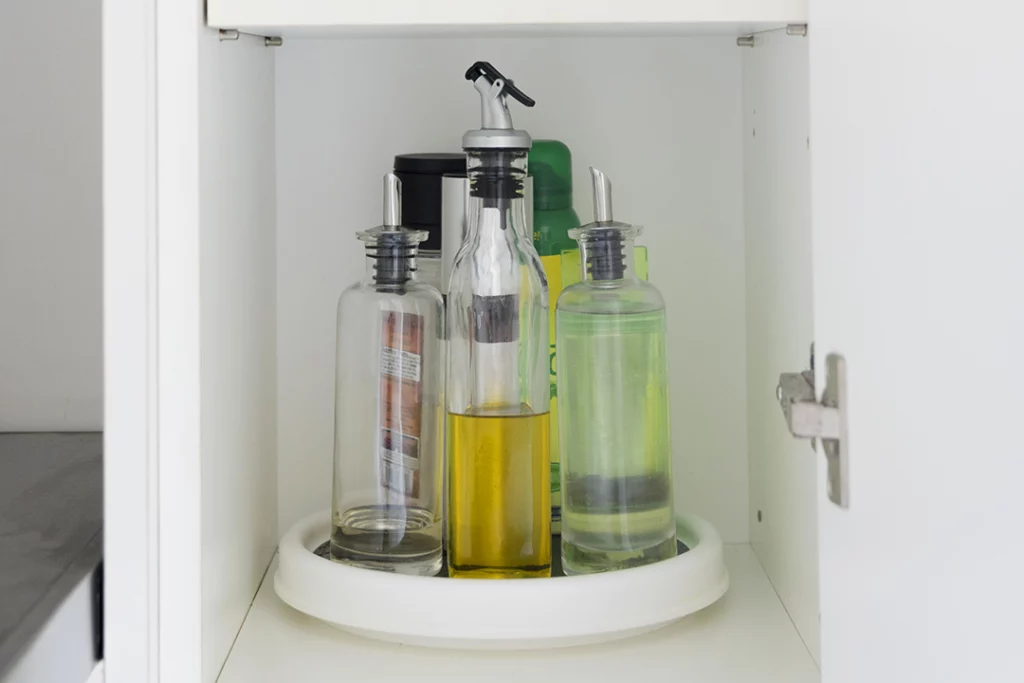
(550, 165)
(421, 190)
(496, 131)
(606, 238)
(389, 244)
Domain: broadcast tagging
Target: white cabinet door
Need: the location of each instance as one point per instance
(917, 137)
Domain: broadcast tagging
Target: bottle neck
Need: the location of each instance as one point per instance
(390, 267)
(496, 190)
(607, 258)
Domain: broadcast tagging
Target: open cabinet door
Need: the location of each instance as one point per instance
(917, 138)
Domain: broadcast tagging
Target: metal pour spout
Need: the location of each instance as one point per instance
(392, 201)
(602, 196)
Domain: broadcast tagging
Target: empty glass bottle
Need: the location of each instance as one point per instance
(388, 431)
(499, 493)
(613, 405)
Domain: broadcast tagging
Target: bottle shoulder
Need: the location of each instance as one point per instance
(425, 291)
(412, 294)
(624, 297)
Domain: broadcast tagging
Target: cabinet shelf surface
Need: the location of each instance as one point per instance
(298, 18)
(746, 637)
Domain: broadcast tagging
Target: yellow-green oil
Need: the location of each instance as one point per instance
(617, 507)
(499, 494)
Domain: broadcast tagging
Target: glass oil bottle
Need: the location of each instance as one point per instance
(389, 408)
(617, 506)
(499, 518)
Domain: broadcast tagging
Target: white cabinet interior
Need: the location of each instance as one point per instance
(272, 163)
(727, 222)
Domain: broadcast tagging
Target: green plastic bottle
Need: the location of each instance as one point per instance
(550, 164)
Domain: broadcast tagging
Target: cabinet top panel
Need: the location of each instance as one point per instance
(298, 18)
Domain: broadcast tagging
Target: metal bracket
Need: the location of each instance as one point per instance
(750, 40)
(234, 34)
(809, 419)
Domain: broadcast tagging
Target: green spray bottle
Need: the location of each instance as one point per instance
(550, 164)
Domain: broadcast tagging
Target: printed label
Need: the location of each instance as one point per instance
(400, 364)
(401, 394)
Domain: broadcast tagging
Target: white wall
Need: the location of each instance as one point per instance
(777, 204)
(661, 116)
(50, 216)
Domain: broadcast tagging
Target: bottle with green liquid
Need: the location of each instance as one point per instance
(550, 164)
(616, 457)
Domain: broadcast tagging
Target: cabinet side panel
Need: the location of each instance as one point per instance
(777, 203)
(659, 115)
(51, 304)
(238, 314)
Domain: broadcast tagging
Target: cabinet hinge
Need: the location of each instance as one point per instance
(234, 34)
(807, 418)
(750, 40)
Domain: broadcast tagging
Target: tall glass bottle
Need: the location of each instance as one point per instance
(388, 408)
(613, 405)
(499, 522)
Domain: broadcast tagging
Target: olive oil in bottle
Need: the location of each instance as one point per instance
(498, 393)
(500, 494)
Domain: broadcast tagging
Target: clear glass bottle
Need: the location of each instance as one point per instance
(499, 522)
(389, 398)
(617, 507)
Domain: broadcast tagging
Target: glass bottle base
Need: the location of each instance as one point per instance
(402, 540)
(499, 572)
(579, 559)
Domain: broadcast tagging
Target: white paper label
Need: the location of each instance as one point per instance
(401, 364)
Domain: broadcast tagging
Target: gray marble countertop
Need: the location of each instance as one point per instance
(51, 528)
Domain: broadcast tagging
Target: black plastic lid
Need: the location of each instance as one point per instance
(432, 163)
(421, 190)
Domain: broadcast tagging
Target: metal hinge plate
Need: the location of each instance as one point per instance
(809, 419)
(751, 39)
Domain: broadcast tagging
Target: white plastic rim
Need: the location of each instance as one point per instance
(500, 615)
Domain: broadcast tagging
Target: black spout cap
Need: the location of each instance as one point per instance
(487, 70)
